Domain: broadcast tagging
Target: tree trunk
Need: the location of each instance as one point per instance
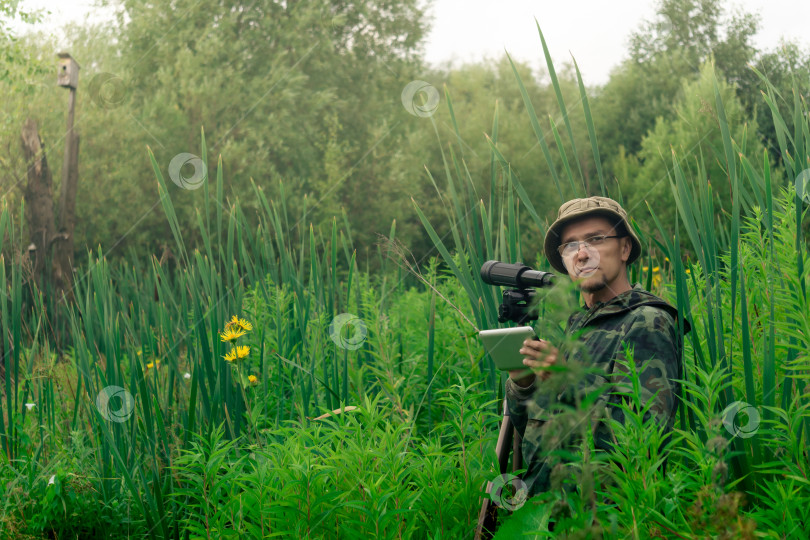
(38, 200)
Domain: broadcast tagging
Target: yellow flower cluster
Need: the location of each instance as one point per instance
(234, 329)
(656, 275)
(237, 353)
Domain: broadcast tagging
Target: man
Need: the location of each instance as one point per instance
(593, 243)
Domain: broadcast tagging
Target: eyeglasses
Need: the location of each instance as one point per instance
(569, 249)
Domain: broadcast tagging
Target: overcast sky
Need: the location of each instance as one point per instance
(595, 31)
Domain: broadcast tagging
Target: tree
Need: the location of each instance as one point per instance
(692, 133)
(16, 72)
(10, 50)
(665, 50)
(305, 92)
(785, 66)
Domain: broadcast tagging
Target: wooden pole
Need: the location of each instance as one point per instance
(68, 141)
(63, 267)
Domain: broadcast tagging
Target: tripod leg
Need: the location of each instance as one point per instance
(488, 516)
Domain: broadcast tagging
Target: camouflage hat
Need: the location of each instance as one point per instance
(577, 209)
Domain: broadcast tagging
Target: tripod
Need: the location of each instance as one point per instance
(519, 307)
(488, 516)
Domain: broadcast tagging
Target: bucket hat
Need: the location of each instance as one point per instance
(577, 209)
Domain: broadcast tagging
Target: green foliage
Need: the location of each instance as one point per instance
(692, 133)
(696, 30)
(671, 47)
(486, 106)
(787, 68)
(61, 498)
(17, 62)
(357, 472)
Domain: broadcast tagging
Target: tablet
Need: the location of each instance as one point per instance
(504, 344)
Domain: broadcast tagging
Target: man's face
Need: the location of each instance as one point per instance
(595, 267)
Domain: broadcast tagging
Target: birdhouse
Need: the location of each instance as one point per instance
(68, 75)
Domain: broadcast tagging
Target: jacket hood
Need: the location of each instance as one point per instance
(625, 302)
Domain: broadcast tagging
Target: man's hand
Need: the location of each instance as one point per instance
(539, 356)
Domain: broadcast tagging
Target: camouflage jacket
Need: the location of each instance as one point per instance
(636, 319)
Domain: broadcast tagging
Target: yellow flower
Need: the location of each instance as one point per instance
(656, 269)
(688, 271)
(237, 353)
(239, 324)
(245, 325)
(150, 365)
(231, 335)
(252, 379)
(644, 268)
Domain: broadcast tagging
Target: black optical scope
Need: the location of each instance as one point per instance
(514, 275)
(517, 302)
